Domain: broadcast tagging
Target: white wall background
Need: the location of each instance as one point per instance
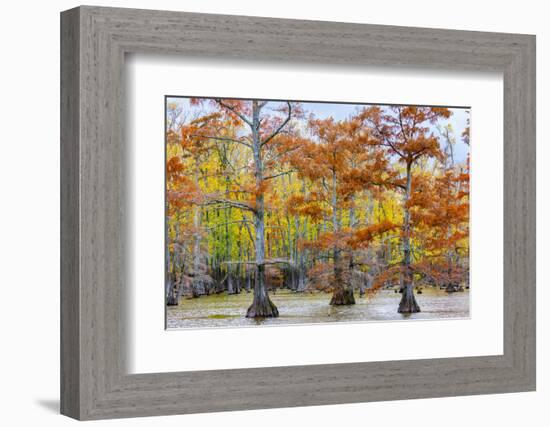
(29, 213)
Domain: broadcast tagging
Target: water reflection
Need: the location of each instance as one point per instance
(294, 308)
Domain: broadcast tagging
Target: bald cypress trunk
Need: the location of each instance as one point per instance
(261, 304)
(302, 255)
(169, 282)
(408, 302)
(343, 292)
(171, 291)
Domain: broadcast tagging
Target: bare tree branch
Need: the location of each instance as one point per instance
(392, 183)
(279, 174)
(229, 223)
(280, 128)
(221, 138)
(247, 226)
(266, 262)
(233, 203)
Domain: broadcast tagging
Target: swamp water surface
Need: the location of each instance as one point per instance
(301, 308)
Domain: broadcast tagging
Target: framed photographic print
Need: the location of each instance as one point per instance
(304, 212)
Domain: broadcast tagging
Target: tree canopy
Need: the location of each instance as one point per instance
(269, 194)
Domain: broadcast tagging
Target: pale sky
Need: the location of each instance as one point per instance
(458, 119)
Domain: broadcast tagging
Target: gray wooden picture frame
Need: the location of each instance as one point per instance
(94, 41)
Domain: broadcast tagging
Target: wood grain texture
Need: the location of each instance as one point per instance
(70, 292)
(95, 239)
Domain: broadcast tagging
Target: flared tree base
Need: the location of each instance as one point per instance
(262, 308)
(451, 287)
(172, 300)
(408, 302)
(343, 297)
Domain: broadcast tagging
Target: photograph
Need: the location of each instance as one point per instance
(284, 212)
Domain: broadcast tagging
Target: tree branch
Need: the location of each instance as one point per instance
(280, 128)
(418, 153)
(393, 147)
(394, 184)
(278, 174)
(247, 226)
(234, 111)
(223, 224)
(266, 262)
(233, 203)
(401, 126)
(221, 138)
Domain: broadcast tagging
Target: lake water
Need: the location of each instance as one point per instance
(301, 308)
